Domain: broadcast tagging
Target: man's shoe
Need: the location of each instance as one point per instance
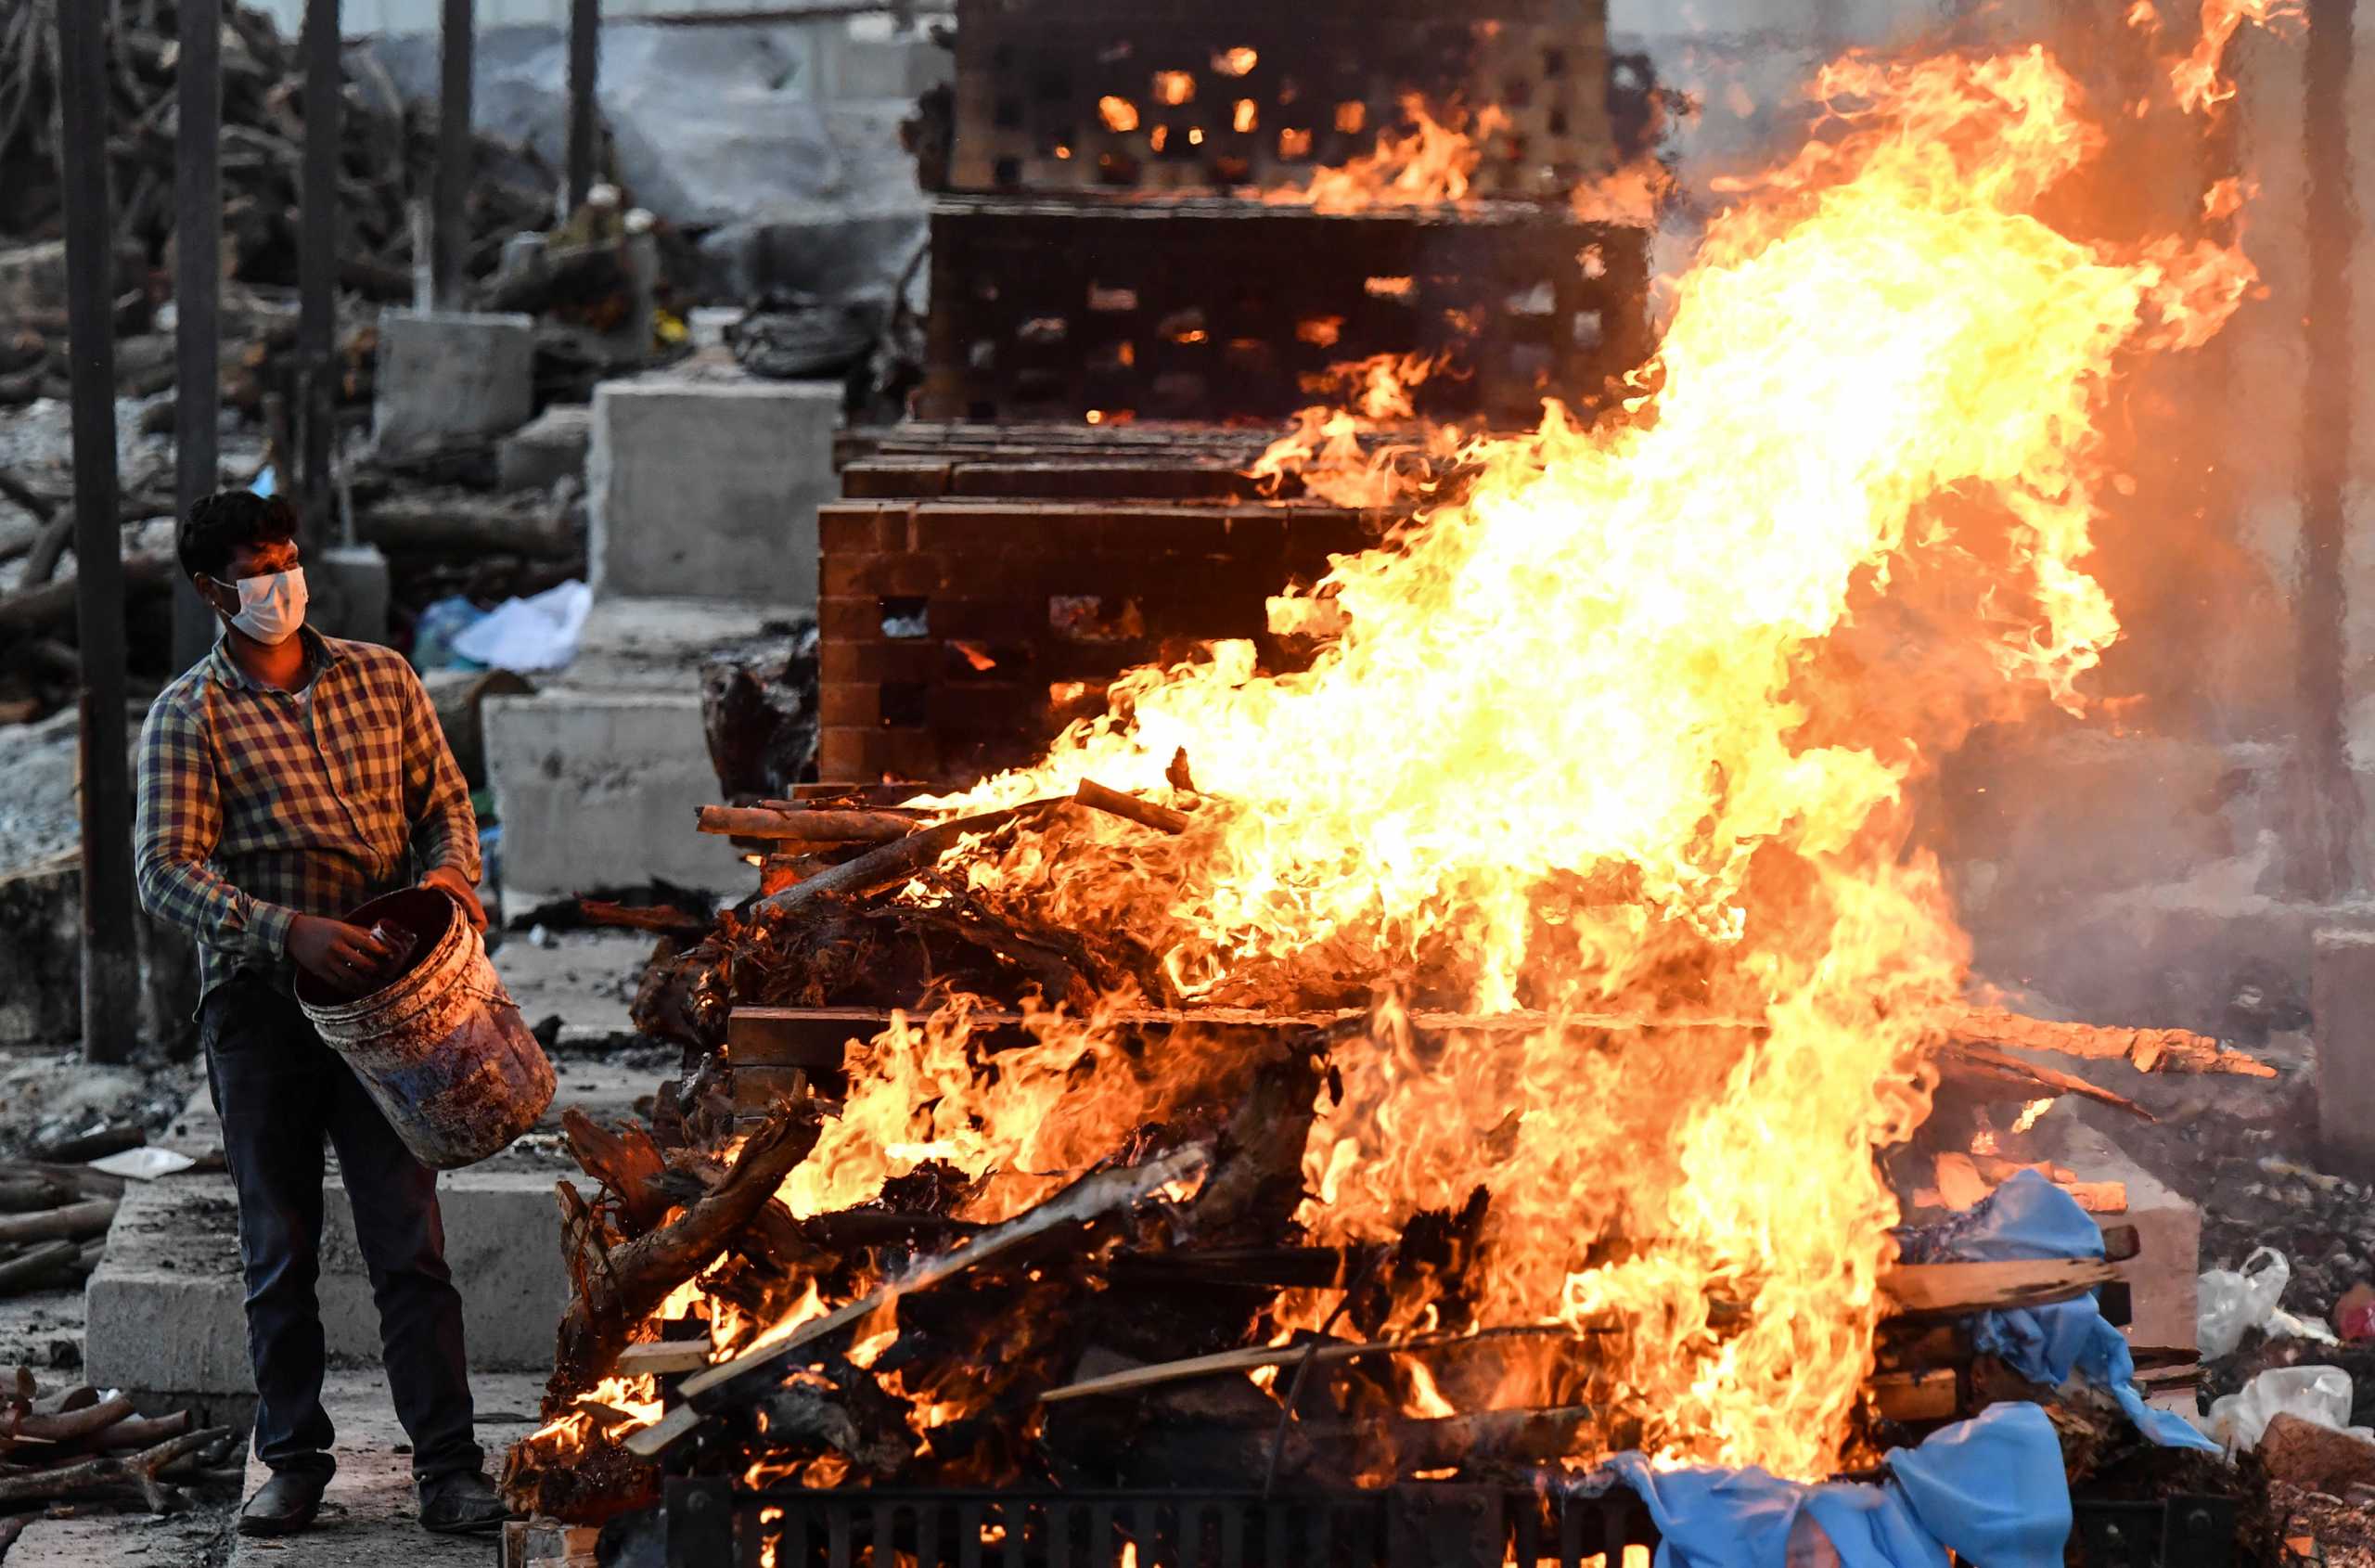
(285, 1504)
(461, 1502)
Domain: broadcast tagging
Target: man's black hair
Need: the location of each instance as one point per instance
(220, 524)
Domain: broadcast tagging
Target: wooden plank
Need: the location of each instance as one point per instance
(790, 1038)
(1954, 1289)
(1089, 1198)
(662, 1357)
(1932, 1395)
(805, 826)
(1227, 1362)
(758, 1088)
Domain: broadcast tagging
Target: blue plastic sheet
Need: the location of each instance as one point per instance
(1990, 1489)
(2030, 1218)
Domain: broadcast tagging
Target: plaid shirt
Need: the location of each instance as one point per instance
(258, 805)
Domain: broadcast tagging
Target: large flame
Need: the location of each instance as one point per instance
(1612, 749)
(1627, 729)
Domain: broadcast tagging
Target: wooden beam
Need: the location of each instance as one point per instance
(1227, 1362)
(1929, 1290)
(110, 955)
(317, 268)
(457, 156)
(198, 292)
(584, 112)
(812, 826)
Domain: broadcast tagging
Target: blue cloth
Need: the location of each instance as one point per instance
(2030, 1218)
(1991, 1489)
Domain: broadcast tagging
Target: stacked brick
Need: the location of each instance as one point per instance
(1104, 247)
(961, 631)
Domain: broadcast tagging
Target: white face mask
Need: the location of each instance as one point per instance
(270, 607)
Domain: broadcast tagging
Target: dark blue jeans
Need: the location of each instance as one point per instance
(280, 1091)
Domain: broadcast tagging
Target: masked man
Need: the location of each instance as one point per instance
(283, 778)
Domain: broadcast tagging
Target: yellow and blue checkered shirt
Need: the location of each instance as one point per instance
(258, 805)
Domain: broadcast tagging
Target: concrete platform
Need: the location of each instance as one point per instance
(369, 1517)
(164, 1313)
(597, 775)
(705, 483)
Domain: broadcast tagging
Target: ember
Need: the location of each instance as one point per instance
(1472, 1050)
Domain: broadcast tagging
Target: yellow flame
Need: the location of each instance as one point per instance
(1602, 735)
(1432, 164)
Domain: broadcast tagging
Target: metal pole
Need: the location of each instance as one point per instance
(585, 66)
(110, 942)
(449, 232)
(197, 288)
(318, 261)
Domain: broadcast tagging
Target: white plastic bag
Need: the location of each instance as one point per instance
(2232, 1301)
(2318, 1394)
(530, 633)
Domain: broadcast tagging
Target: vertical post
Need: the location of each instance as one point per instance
(449, 229)
(110, 951)
(585, 65)
(318, 262)
(198, 285)
(2330, 821)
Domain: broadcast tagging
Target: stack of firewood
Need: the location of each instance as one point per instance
(83, 1446)
(1102, 1335)
(54, 1222)
(388, 151)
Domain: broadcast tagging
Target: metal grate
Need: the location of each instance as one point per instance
(711, 1525)
(717, 1525)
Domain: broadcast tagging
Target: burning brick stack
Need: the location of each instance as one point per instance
(1439, 1033)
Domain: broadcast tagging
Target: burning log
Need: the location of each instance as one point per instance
(1317, 1354)
(812, 826)
(1162, 818)
(622, 1288)
(628, 1164)
(2148, 1050)
(1091, 1198)
(1987, 1073)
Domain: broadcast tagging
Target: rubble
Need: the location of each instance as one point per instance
(2317, 1458)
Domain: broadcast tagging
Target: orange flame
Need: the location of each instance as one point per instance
(1430, 166)
(2199, 86)
(1601, 736)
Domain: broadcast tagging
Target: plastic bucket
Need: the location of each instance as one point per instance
(442, 1046)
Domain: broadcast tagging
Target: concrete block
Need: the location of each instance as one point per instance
(539, 455)
(709, 488)
(349, 588)
(447, 377)
(167, 1307)
(502, 1243)
(2342, 982)
(163, 1310)
(599, 789)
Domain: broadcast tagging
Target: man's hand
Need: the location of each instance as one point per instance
(449, 881)
(347, 958)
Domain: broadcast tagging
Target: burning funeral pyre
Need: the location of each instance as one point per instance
(1529, 983)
